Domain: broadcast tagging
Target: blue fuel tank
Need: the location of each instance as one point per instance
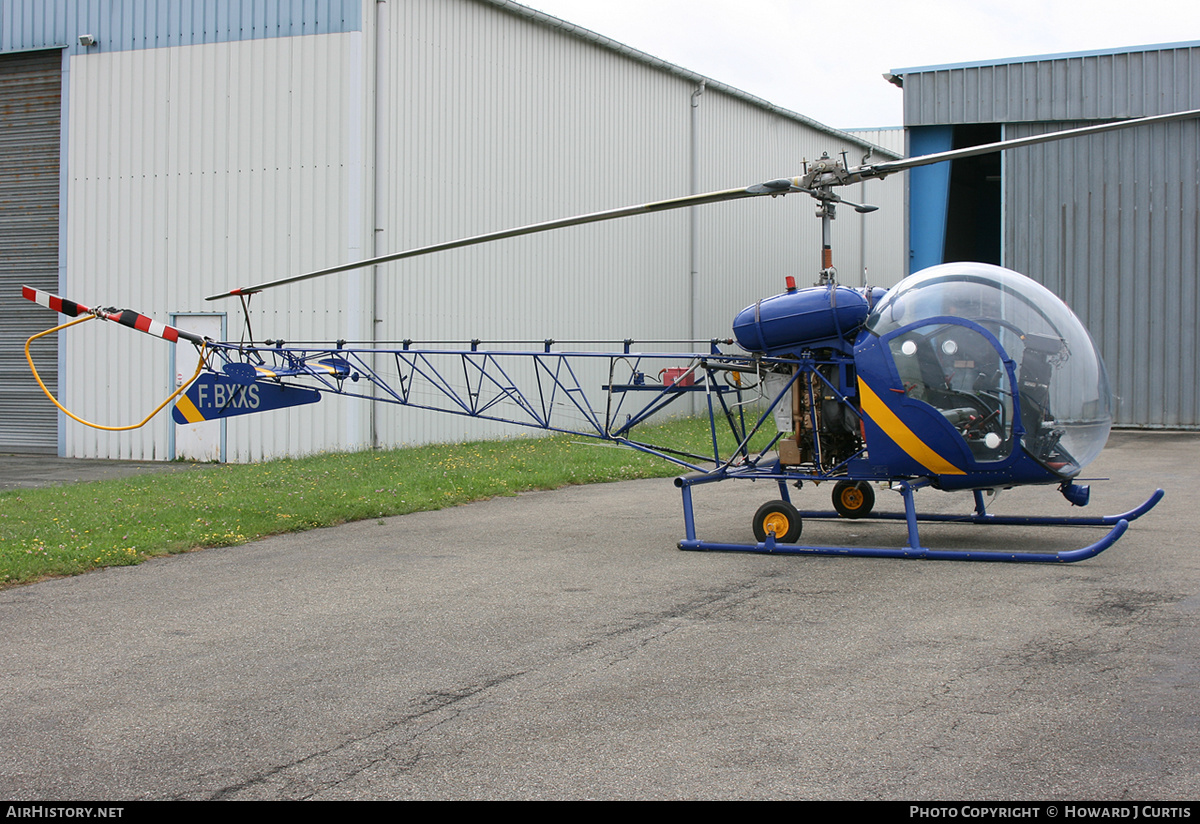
(818, 315)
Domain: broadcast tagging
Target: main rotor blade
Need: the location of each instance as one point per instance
(813, 182)
(771, 187)
(891, 166)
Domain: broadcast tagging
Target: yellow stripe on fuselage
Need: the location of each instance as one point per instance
(904, 437)
(188, 409)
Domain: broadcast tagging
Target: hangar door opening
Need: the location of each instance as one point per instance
(954, 208)
(30, 95)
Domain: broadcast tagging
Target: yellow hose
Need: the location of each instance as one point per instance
(67, 412)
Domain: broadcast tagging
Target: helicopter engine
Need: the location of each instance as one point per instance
(818, 429)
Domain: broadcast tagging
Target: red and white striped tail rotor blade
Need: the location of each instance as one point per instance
(125, 317)
(147, 324)
(61, 305)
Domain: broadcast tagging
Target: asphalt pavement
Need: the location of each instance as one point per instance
(32, 471)
(558, 645)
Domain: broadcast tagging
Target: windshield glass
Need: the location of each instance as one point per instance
(1063, 390)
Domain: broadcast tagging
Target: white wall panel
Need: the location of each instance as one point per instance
(749, 247)
(492, 121)
(198, 168)
(193, 169)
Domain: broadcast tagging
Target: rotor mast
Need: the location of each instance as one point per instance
(818, 181)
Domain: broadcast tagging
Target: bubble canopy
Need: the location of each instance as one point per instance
(1061, 384)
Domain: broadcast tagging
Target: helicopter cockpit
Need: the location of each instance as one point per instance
(1002, 359)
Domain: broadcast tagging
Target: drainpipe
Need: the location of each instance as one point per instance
(693, 219)
(862, 237)
(862, 227)
(694, 225)
(378, 97)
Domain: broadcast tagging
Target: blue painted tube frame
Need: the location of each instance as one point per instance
(557, 383)
(914, 550)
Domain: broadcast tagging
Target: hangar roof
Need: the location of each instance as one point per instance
(896, 74)
(1106, 84)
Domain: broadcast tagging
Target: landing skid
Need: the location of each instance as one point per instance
(1119, 524)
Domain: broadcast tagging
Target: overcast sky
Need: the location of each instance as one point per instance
(828, 64)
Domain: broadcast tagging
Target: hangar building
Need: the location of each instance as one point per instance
(155, 153)
(1110, 223)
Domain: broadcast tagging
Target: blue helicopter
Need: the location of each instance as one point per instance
(963, 377)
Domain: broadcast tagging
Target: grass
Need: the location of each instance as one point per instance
(71, 529)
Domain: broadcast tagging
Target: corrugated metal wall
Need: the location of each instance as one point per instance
(1091, 86)
(489, 121)
(206, 141)
(891, 137)
(1111, 222)
(200, 167)
(30, 91)
(122, 25)
(193, 168)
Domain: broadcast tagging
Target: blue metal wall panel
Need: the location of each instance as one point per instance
(122, 25)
